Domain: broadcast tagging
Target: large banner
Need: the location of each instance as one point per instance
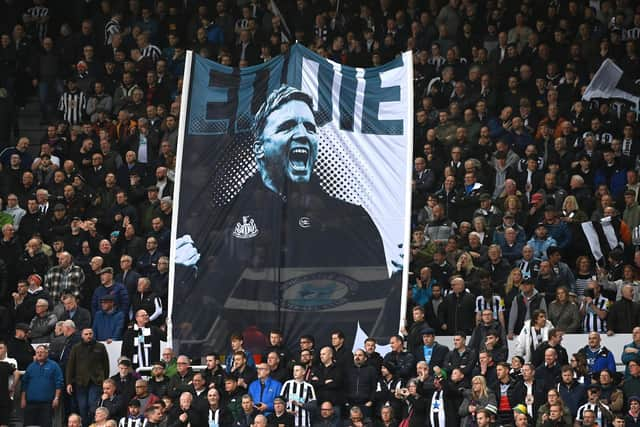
(292, 203)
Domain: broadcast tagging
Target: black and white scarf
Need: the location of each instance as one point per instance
(142, 342)
(436, 414)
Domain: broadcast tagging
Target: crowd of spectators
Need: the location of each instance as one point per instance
(509, 163)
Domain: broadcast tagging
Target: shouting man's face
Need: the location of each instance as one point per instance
(288, 146)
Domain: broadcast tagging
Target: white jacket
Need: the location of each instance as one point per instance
(525, 339)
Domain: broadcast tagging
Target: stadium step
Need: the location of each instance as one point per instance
(29, 123)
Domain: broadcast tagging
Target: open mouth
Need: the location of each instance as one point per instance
(299, 159)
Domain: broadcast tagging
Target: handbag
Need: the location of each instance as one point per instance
(406, 421)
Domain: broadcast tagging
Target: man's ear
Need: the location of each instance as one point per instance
(258, 149)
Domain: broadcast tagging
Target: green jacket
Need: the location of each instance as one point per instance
(88, 364)
(631, 215)
(172, 368)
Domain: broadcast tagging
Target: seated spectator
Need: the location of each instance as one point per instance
(110, 400)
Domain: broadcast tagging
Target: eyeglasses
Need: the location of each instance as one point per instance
(182, 363)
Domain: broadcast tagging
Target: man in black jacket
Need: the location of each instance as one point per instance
(405, 362)
(186, 413)
(457, 312)
(555, 339)
(414, 335)
(361, 383)
(624, 315)
(461, 356)
(530, 391)
(327, 379)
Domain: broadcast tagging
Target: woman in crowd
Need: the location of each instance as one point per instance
(584, 274)
(553, 398)
(512, 289)
(564, 314)
(479, 396)
(466, 269)
(414, 406)
(578, 362)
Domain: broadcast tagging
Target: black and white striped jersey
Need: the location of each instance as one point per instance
(39, 12)
(303, 393)
(151, 51)
(591, 322)
(72, 106)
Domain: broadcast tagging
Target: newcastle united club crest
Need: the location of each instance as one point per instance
(246, 229)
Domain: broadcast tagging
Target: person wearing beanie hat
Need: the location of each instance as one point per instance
(520, 409)
(36, 279)
(601, 411)
(431, 351)
(388, 385)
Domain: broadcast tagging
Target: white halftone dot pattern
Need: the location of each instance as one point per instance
(235, 167)
(342, 171)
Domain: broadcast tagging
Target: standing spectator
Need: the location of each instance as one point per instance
(328, 379)
(594, 309)
(109, 287)
(523, 306)
(404, 361)
(43, 323)
(301, 397)
(264, 390)
(87, 368)
(42, 384)
(220, 415)
(19, 348)
(108, 321)
(186, 413)
(564, 313)
(602, 413)
(431, 351)
(534, 332)
(72, 311)
(147, 300)
(457, 312)
(65, 277)
(624, 313)
(554, 341)
(141, 343)
(72, 103)
(598, 356)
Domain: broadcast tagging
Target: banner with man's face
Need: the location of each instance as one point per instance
(293, 184)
